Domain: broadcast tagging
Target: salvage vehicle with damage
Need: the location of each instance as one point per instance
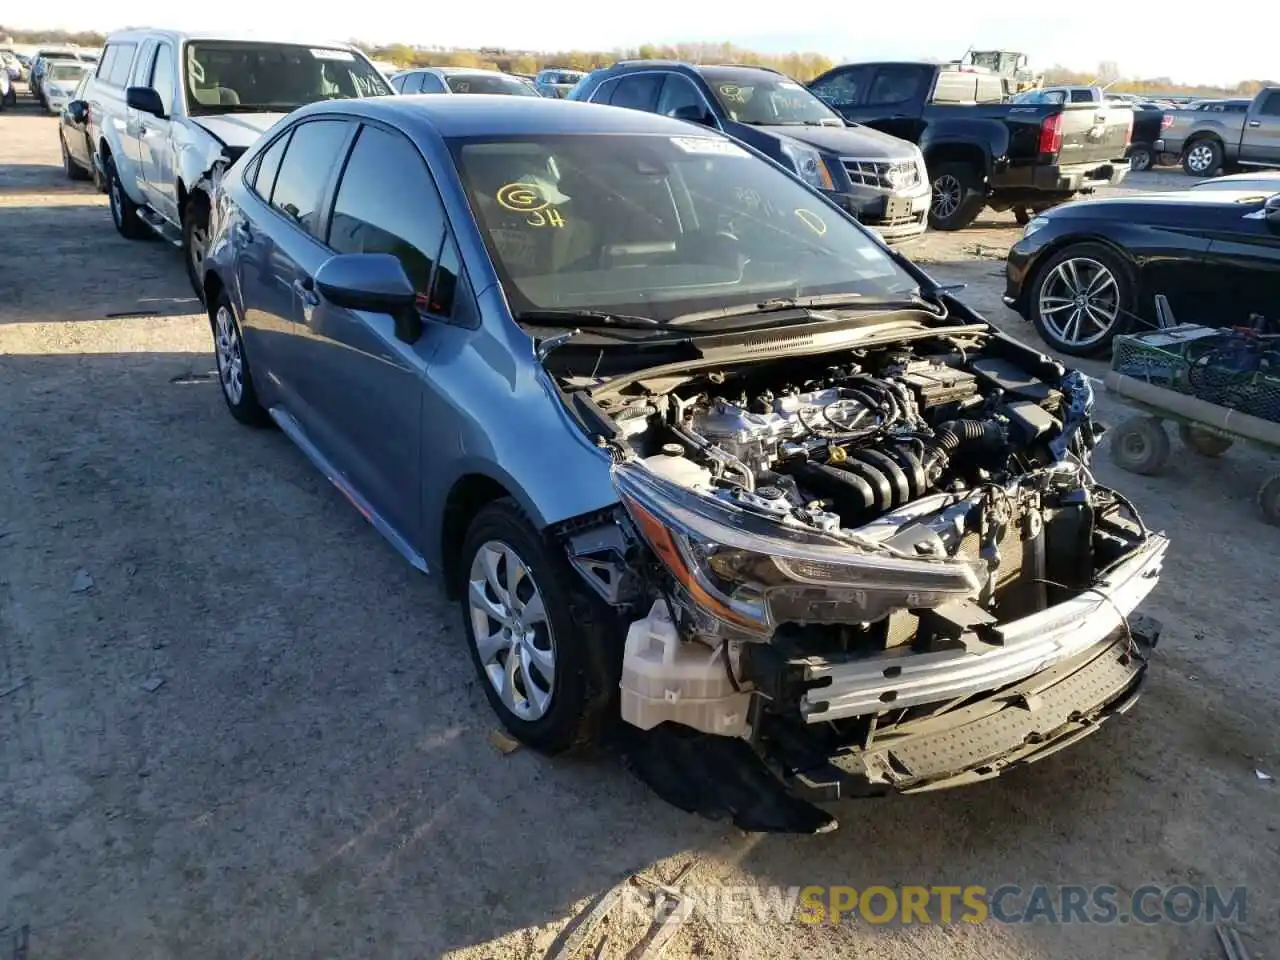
(174, 110)
(705, 465)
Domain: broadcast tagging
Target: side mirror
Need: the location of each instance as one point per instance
(78, 111)
(375, 282)
(694, 114)
(1271, 211)
(146, 100)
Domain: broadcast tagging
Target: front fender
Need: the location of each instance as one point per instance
(196, 155)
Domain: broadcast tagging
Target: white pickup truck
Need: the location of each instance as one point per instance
(170, 111)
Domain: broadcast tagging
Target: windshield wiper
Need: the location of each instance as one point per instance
(588, 319)
(843, 300)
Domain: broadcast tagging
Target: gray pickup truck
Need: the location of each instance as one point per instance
(1209, 141)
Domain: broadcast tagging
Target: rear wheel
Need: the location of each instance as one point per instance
(124, 212)
(1201, 441)
(73, 169)
(1202, 159)
(234, 375)
(1140, 159)
(957, 196)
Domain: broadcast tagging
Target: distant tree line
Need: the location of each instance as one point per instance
(1108, 73)
(802, 66)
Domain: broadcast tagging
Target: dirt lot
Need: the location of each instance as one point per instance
(313, 775)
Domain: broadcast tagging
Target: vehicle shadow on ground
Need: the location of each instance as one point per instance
(66, 262)
(315, 773)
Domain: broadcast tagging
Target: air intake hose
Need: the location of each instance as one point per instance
(955, 434)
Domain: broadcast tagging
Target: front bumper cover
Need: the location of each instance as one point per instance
(901, 677)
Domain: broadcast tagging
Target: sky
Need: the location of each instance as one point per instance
(1144, 38)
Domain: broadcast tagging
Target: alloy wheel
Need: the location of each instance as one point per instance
(116, 202)
(1200, 157)
(1079, 301)
(947, 193)
(511, 631)
(229, 356)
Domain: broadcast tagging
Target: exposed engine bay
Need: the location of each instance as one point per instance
(841, 547)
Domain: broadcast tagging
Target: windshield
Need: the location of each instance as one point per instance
(764, 99)
(223, 76)
(659, 226)
(488, 83)
(70, 72)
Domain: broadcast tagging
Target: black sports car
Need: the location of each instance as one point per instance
(1090, 269)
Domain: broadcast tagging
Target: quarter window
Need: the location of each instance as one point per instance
(387, 203)
(120, 66)
(314, 149)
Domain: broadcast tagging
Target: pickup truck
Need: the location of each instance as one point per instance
(169, 113)
(1208, 140)
(981, 150)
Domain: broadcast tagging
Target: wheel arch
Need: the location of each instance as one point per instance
(1052, 249)
(470, 494)
(957, 151)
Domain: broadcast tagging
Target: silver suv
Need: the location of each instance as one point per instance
(173, 110)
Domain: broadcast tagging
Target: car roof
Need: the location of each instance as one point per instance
(234, 36)
(482, 115)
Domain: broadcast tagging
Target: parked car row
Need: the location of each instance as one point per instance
(707, 467)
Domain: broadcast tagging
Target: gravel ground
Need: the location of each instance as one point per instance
(233, 723)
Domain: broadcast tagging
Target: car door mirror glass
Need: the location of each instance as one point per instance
(375, 282)
(78, 111)
(146, 100)
(1271, 210)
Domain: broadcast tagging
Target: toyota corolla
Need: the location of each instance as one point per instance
(704, 463)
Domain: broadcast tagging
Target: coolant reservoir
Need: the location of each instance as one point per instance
(676, 467)
(665, 678)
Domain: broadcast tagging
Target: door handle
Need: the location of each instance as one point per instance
(306, 291)
(1255, 123)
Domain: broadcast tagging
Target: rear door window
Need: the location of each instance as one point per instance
(638, 92)
(895, 84)
(847, 88)
(313, 151)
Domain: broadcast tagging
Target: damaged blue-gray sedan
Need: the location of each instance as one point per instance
(707, 466)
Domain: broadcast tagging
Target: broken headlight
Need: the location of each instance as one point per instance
(750, 572)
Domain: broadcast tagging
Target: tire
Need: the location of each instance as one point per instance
(124, 212)
(195, 240)
(1141, 160)
(1022, 216)
(73, 169)
(575, 636)
(957, 196)
(1202, 158)
(1203, 442)
(235, 379)
(1140, 445)
(1053, 307)
(1269, 500)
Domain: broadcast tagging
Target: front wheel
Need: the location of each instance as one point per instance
(957, 196)
(1081, 298)
(547, 658)
(195, 240)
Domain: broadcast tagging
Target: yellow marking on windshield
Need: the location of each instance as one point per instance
(811, 220)
(522, 197)
(551, 218)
